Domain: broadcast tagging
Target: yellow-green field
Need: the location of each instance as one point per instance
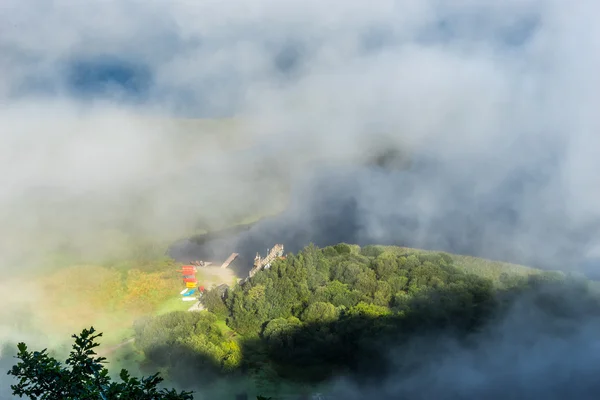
(65, 300)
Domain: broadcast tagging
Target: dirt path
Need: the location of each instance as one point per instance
(196, 307)
(112, 349)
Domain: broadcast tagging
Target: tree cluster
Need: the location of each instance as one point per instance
(334, 283)
(181, 338)
(325, 311)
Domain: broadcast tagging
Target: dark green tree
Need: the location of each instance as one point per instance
(214, 303)
(82, 376)
(319, 312)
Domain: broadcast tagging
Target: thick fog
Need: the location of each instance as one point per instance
(494, 101)
(533, 351)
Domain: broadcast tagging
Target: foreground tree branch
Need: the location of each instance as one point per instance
(82, 376)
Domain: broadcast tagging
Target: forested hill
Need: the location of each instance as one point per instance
(337, 311)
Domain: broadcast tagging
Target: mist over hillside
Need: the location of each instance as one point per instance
(529, 353)
(419, 207)
(496, 103)
(496, 97)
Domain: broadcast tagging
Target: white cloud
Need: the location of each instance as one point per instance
(488, 89)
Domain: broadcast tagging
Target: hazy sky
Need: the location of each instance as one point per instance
(502, 96)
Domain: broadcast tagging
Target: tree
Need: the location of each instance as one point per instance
(213, 302)
(385, 265)
(320, 312)
(83, 376)
(278, 332)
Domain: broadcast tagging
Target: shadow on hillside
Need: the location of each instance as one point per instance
(186, 367)
(356, 345)
(370, 346)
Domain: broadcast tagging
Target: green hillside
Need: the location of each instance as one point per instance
(311, 316)
(324, 312)
(474, 265)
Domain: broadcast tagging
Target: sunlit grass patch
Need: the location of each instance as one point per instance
(173, 304)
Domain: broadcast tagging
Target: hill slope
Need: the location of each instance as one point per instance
(479, 266)
(333, 311)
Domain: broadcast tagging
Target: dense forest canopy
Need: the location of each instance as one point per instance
(346, 311)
